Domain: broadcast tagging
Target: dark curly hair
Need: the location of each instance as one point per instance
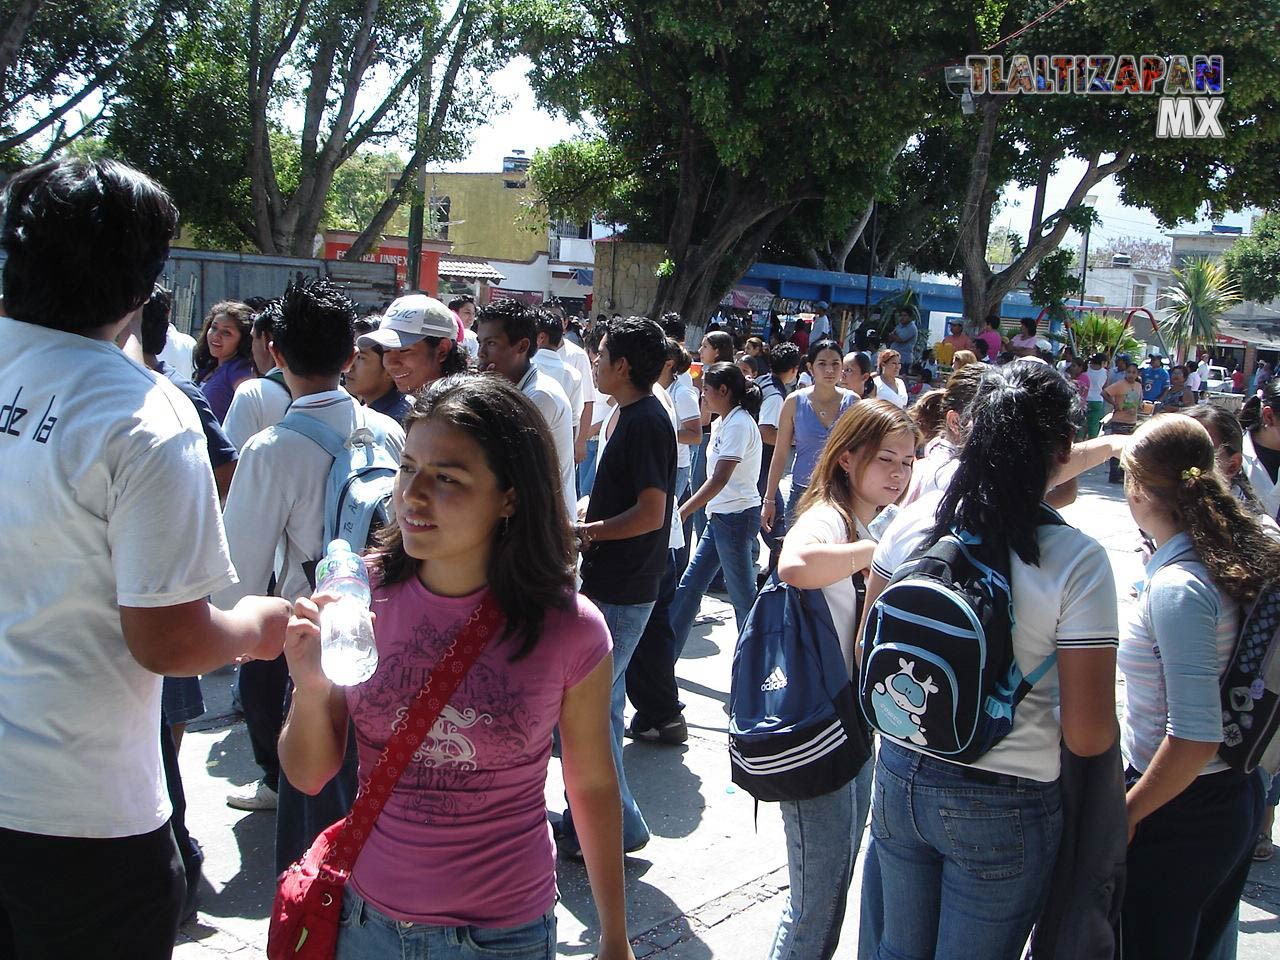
(85, 239)
(315, 332)
(533, 561)
(242, 315)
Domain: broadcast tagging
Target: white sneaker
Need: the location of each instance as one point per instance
(255, 796)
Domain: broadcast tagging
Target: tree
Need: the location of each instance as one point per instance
(360, 187)
(720, 120)
(1255, 260)
(1172, 178)
(1054, 280)
(1203, 291)
(55, 57)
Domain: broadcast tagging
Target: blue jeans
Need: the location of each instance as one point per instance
(587, 468)
(964, 857)
(626, 622)
(698, 476)
(819, 868)
(724, 545)
(367, 934)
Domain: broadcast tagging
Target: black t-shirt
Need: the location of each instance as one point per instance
(640, 454)
(1270, 460)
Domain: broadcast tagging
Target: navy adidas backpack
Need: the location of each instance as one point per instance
(938, 668)
(794, 728)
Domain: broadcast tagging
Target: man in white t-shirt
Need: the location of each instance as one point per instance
(547, 358)
(576, 357)
(259, 402)
(179, 351)
(113, 541)
(508, 334)
(276, 505)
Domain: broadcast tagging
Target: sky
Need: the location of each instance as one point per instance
(525, 126)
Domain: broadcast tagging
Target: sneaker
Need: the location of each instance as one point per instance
(256, 796)
(672, 732)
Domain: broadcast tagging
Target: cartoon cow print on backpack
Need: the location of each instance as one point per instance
(899, 702)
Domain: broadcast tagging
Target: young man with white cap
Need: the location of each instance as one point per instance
(821, 322)
(419, 339)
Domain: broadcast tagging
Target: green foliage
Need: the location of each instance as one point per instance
(359, 187)
(1202, 292)
(580, 180)
(1100, 333)
(1255, 260)
(1054, 280)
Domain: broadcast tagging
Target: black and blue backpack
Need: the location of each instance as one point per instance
(794, 728)
(938, 668)
(1251, 689)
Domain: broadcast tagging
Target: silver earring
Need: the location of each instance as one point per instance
(506, 525)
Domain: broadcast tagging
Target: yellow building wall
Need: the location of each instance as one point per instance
(490, 211)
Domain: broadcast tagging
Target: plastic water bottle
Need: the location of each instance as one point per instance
(348, 655)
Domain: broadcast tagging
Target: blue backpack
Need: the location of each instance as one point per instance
(357, 494)
(794, 729)
(938, 668)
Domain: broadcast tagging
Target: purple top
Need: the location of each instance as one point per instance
(464, 838)
(220, 386)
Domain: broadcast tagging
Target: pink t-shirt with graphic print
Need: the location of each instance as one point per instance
(464, 838)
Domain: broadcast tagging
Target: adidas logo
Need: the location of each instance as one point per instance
(776, 681)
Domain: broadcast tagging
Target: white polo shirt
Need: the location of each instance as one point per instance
(735, 437)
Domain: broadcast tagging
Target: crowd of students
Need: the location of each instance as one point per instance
(159, 527)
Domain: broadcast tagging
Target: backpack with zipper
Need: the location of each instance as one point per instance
(1251, 689)
(357, 493)
(938, 667)
(794, 729)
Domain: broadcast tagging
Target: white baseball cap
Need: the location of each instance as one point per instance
(409, 320)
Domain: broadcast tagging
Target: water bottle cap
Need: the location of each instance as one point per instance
(338, 546)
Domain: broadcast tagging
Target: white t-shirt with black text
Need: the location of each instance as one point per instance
(1067, 602)
(108, 502)
(735, 437)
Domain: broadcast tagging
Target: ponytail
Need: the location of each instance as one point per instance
(745, 393)
(1251, 413)
(1023, 416)
(1171, 458)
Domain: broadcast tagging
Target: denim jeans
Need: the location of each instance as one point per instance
(626, 622)
(368, 934)
(725, 545)
(819, 868)
(587, 468)
(964, 857)
(698, 476)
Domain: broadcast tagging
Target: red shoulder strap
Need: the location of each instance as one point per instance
(485, 622)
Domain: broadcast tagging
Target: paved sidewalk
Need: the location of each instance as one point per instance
(711, 882)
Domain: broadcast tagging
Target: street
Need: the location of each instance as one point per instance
(710, 884)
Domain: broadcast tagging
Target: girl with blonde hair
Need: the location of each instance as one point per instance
(864, 467)
(1192, 819)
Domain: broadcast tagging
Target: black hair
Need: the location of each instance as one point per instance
(551, 325)
(85, 239)
(673, 325)
(826, 343)
(256, 304)
(641, 342)
(980, 348)
(264, 324)
(679, 356)
(993, 322)
(362, 325)
(242, 316)
(155, 320)
(1028, 324)
(316, 330)
(783, 357)
(532, 562)
(1251, 413)
(745, 394)
(518, 322)
(1021, 418)
(722, 344)
(457, 302)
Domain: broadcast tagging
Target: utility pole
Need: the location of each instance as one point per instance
(417, 210)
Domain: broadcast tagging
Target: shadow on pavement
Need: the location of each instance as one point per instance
(248, 894)
(669, 793)
(231, 758)
(652, 916)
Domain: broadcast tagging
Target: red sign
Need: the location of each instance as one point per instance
(397, 252)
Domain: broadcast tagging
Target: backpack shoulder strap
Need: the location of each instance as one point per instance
(276, 376)
(328, 439)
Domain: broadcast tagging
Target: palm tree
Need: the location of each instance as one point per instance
(1100, 333)
(1204, 291)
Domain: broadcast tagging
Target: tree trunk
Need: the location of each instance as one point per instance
(14, 34)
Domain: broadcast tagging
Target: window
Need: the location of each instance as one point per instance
(1139, 296)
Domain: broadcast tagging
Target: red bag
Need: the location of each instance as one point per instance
(308, 904)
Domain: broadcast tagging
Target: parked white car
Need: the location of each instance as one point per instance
(1219, 381)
